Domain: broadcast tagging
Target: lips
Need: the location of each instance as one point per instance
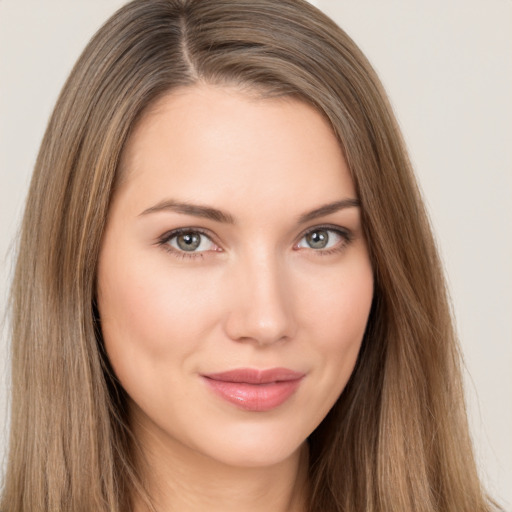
(255, 390)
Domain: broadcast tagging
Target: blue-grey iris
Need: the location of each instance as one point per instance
(188, 241)
(317, 239)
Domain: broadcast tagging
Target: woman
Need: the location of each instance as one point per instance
(226, 275)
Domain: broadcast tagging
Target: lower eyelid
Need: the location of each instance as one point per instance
(345, 238)
(203, 237)
(183, 254)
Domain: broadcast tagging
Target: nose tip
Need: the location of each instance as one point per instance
(261, 309)
(263, 330)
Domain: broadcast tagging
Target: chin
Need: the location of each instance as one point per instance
(255, 444)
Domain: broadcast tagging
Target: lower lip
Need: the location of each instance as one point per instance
(255, 397)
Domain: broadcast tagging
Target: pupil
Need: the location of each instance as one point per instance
(189, 241)
(317, 239)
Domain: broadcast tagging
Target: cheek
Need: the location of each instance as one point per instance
(336, 320)
(151, 315)
(339, 307)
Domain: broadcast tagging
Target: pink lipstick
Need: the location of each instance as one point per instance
(255, 390)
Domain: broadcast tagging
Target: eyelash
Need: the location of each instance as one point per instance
(346, 238)
(164, 240)
(345, 234)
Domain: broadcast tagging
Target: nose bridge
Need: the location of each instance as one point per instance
(261, 306)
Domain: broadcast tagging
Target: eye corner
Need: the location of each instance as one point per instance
(342, 238)
(194, 239)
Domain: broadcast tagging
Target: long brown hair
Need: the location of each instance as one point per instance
(397, 439)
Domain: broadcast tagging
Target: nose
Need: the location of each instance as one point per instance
(261, 309)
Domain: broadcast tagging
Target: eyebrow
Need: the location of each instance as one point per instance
(196, 210)
(214, 214)
(329, 208)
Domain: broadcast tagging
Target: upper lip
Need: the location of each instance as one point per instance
(256, 376)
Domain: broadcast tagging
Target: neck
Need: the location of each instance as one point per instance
(180, 479)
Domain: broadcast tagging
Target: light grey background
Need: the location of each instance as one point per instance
(447, 66)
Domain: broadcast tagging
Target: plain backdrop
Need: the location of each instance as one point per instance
(447, 67)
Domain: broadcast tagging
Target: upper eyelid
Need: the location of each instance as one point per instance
(175, 232)
(328, 227)
(163, 242)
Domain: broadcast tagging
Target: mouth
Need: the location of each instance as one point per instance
(255, 390)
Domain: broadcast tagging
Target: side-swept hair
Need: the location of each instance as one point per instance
(397, 438)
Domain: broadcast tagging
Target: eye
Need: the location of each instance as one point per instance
(188, 241)
(324, 239)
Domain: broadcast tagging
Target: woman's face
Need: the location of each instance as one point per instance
(234, 282)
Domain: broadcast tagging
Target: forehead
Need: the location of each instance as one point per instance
(216, 144)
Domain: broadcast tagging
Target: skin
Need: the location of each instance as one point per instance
(254, 294)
